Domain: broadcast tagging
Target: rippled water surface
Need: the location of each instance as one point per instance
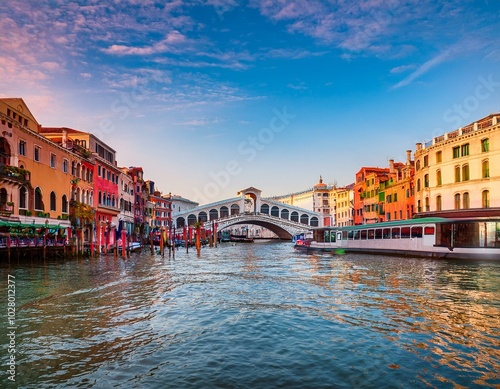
(255, 316)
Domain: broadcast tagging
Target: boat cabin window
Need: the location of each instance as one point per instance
(344, 235)
(363, 234)
(416, 232)
(371, 234)
(378, 233)
(356, 235)
(339, 235)
(429, 230)
(386, 233)
(405, 232)
(395, 232)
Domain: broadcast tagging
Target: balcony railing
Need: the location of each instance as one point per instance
(14, 173)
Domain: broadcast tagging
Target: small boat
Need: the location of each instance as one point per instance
(240, 238)
(132, 247)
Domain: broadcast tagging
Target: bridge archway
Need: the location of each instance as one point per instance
(281, 232)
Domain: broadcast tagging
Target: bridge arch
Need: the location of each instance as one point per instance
(264, 209)
(202, 216)
(235, 209)
(213, 214)
(191, 219)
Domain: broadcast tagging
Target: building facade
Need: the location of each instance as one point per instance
(27, 160)
(458, 173)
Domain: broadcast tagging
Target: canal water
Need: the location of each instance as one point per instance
(254, 316)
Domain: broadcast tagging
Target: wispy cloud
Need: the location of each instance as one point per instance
(441, 57)
(169, 44)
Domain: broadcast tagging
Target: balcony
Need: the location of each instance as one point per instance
(13, 173)
(6, 209)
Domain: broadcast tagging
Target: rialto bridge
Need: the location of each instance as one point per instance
(250, 208)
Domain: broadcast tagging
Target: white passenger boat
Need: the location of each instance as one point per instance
(432, 237)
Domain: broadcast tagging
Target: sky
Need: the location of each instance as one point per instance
(214, 96)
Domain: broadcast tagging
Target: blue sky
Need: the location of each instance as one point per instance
(213, 96)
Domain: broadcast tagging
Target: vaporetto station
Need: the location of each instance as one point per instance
(250, 208)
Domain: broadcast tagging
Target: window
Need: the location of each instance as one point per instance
(426, 181)
(23, 193)
(418, 185)
(37, 153)
(457, 201)
(22, 147)
(438, 178)
(52, 160)
(485, 145)
(64, 204)
(427, 205)
(438, 203)
(417, 166)
(486, 198)
(38, 199)
(439, 156)
(73, 168)
(52, 201)
(456, 152)
(426, 160)
(65, 165)
(465, 173)
(466, 201)
(99, 171)
(465, 150)
(457, 173)
(486, 169)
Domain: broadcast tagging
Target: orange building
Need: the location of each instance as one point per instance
(27, 160)
(101, 173)
(366, 188)
(397, 194)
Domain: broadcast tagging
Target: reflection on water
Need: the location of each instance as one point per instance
(256, 315)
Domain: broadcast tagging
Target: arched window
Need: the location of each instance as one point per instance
(4, 152)
(64, 204)
(264, 208)
(438, 203)
(486, 198)
(285, 214)
(38, 199)
(275, 211)
(224, 211)
(457, 201)
(427, 205)
(294, 216)
(214, 214)
(314, 221)
(3, 196)
(191, 219)
(202, 217)
(235, 209)
(457, 173)
(465, 173)
(99, 198)
(485, 169)
(52, 201)
(181, 222)
(418, 185)
(23, 197)
(438, 178)
(466, 200)
(304, 219)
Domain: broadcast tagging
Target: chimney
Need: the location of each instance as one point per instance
(408, 157)
(391, 166)
(64, 138)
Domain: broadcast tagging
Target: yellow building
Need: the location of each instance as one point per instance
(458, 173)
(343, 198)
(34, 172)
